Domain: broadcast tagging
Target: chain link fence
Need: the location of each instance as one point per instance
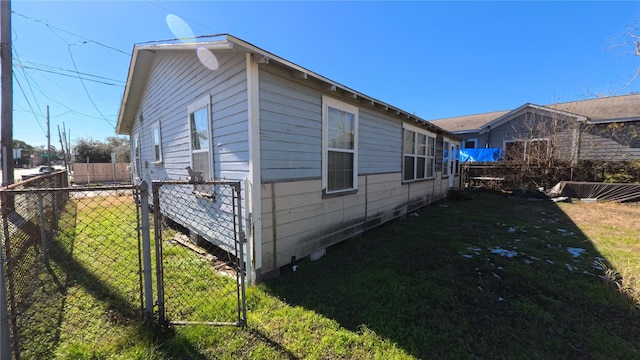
(68, 251)
(78, 262)
(208, 288)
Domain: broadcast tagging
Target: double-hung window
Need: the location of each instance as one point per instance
(445, 159)
(340, 146)
(157, 143)
(418, 154)
(137, 158)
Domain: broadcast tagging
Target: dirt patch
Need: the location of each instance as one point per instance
(210, 253)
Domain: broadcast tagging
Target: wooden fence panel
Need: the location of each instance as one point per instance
(84, 173)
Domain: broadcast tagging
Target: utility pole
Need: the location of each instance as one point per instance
(6, 82)
(6, 141)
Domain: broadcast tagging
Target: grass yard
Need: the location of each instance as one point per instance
(491, 277)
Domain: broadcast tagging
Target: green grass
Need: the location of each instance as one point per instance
(435, 285)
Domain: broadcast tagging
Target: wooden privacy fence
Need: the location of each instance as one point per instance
(84, 173)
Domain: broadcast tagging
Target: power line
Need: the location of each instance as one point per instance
(85, 87)
(29, 104)
(72, 76)
(184, 17)
(70, 33)
(15, 51)
(52, 68)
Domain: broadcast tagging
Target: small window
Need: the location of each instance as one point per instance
(470, 144)
(340, 146)
(418, 154)
(533, 151)
(445, 159)
(137, 159)
(202, 167)
(157, 142)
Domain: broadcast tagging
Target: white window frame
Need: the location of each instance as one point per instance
(328, 102)
(415, 154)
(156, 142)
(446, 145)
(526, 144)
(202, 103)
(136, 148)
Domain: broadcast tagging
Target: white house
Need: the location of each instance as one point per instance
(320, 162)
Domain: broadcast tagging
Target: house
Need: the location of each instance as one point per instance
(319, 162)
(600, 129)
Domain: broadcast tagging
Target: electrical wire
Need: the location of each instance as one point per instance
(29, 104)
(85, 87)
(72, 76)
(174, 12)
(56, 70)
(70, 33)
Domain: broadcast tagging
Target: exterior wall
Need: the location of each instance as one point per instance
(526, 127)
(298, 221)
(613, 141)
(178, 79)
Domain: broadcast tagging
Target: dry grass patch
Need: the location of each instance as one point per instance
(616, 215)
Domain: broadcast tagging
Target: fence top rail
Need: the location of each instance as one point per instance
(32, 180)
(67, 189)
(187, 182)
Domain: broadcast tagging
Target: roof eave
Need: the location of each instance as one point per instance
(334, 85)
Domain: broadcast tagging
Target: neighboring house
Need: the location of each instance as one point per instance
(606, 129)
(319, 162)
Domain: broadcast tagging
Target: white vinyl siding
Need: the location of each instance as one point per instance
(340, 146)
(177, 80)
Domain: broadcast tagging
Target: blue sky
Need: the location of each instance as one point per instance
(435, 59)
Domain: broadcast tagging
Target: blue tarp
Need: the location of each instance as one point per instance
(480, 155)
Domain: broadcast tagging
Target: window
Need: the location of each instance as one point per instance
(137, 161)
(445, 159)
(418, 154)
(156, 141)
(470, 144)
(200, 136)
(534, 151)
(340, 146)
(513, 150)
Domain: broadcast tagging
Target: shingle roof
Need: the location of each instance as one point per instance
(604, 109)
(468, 122)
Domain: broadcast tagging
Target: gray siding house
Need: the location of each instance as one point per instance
(605, 129)
(319, 162)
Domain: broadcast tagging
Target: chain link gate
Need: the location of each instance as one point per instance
(200, 276)
(68, 251)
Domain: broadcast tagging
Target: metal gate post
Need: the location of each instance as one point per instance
(146, 249)
(242, 311)
(157, 234)
(43, 230)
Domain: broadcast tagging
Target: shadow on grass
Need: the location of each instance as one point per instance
(489, 278)
(63, 321)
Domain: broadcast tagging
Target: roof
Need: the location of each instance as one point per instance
(598, 110)
(142, 61)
